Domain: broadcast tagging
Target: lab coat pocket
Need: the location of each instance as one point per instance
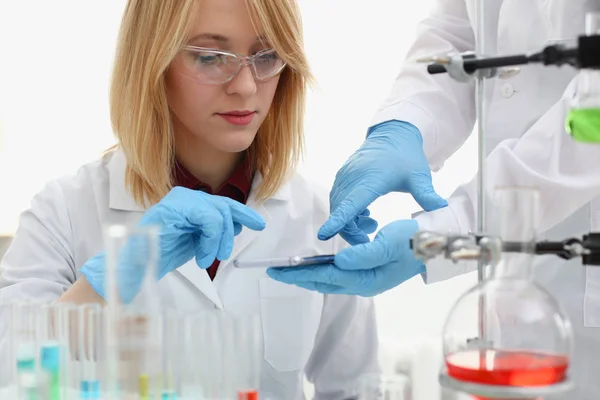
(290, 319)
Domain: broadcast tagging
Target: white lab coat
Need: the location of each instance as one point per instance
(526, 144)
(332, 339)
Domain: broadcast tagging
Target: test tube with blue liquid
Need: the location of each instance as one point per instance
(50, 356)
(24, 319)
(90, 348)
(53, 352)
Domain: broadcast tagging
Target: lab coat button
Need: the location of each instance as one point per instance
(507, 90)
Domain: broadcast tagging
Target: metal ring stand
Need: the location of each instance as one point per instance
(506, 392)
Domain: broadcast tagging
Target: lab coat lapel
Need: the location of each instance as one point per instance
(248, 236)
(119, 196)
(199, 278)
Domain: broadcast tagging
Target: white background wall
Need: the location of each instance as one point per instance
(54, 72)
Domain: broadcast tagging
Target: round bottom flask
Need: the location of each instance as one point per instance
(507, 338)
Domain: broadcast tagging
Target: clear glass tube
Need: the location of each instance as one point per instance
(68, 315)
(89, 350)
(51, 354)
(518, 213)
(480, 110)
(197, 373)
(226, 363)
(592, 23)
(173, 354)
(133, 311)
(24, 329)
(7, 351)
(247, 356)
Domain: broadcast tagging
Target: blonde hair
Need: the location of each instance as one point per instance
(152, 33)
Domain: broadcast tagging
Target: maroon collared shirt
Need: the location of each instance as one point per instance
(237, 188)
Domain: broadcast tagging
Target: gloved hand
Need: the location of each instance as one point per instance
(191, 224)
(366, 269)
(390, 160)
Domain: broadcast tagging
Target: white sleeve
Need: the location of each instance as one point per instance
(442, 109)
(39, 265)
(346, 345)
(547, 158)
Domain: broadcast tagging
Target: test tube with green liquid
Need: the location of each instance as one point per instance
(583, 119)
(50, 364)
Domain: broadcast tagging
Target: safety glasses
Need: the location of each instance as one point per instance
(216, 67)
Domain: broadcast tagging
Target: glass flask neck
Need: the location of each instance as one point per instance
(517, 227)
(592, 23)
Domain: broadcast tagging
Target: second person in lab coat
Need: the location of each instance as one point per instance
(208, 97)
(427, 118)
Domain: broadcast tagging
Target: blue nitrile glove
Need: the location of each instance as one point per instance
(366, 269)
(192, 224)
(390, 160)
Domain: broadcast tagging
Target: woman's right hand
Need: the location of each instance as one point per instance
(191, 224)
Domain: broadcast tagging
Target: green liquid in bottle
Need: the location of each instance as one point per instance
(584, 124)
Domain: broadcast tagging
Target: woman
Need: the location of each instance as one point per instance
(207, 103)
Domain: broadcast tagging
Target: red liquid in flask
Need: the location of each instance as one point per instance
(248, 395)
(507, 368)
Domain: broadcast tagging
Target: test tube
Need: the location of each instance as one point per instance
(213, 380)
(172, 355)
(194, 359)
(584, 117)
(50, 353)
(24, 324)
(62, 320)
(247, 356)
(238, 372)
(7, 349)
(70, 319)
(27, 382)
(383, 387)
(204, 364)
(90, 348)
(132, 314)
(137, 355)
(50, 365)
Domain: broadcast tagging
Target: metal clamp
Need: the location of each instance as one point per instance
(463, 67)
(488, 249)
(454, 65)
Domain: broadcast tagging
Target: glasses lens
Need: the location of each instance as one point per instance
(267, 64)
(210, 67)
